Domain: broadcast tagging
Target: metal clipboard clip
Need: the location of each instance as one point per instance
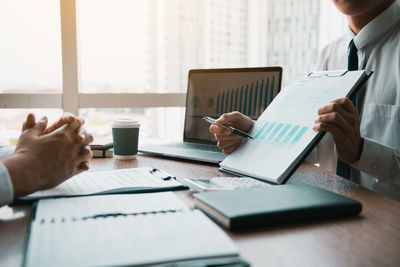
(161, 174)
(331, 73)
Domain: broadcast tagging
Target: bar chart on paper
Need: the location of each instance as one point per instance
(280, 139)
(284, 135)
(280, 133)
(275, 146)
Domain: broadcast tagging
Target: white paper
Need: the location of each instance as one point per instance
(95, 182)
(66, 209)
(284, 130)
(128, 241)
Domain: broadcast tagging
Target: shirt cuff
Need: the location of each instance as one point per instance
(6, 151)
(378, 160)
(6, 187)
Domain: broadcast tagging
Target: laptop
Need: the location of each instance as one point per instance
(213, 92)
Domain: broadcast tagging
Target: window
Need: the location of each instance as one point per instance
(108, 58)
(11, 121)
(114, 38)
(30, 46)
(168, 126)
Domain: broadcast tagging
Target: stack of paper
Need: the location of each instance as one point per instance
(150, 229)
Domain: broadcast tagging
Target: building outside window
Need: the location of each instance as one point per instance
(140, 51)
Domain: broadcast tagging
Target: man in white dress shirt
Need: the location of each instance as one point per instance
(366, 137)
(43, 157)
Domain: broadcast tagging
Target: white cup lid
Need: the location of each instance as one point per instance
(125, 123)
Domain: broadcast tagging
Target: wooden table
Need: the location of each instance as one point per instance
(371, 239)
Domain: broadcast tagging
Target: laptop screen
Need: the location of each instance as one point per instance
(213, 92)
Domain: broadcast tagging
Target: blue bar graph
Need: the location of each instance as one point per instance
(268, 130)
(282, 133)
(299, 135)
(291, 133)
(275, 131)
(261, 130)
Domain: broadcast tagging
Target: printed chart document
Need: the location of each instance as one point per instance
(134, 180)
(283, 135)
(151, 229)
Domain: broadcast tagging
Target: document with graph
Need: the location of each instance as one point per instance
(283, 135)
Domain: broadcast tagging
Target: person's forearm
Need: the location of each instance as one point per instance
(20, 172)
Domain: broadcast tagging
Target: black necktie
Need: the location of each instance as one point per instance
(342, 168)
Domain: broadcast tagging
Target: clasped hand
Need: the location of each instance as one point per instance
(50, 155)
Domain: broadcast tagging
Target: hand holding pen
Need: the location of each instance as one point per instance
(233, 129)
(228, 139)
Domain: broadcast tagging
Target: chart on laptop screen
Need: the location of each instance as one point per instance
(215, 93)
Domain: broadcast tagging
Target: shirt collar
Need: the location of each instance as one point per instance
(377, 26)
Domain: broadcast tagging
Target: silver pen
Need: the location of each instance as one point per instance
(233, 129)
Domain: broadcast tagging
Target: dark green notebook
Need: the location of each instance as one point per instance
(245, 208)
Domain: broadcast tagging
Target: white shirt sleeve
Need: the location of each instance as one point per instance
(380, 161)
(6, 151)
(6, 187)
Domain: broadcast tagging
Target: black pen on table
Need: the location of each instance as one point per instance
(234, 130)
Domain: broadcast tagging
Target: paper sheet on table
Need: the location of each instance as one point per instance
(151, 228)
(63, 209)
(108, 182)
(139, 240)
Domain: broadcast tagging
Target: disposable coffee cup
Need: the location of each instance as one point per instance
(125, 134)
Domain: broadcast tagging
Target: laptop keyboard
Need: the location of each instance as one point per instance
(212, 148)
